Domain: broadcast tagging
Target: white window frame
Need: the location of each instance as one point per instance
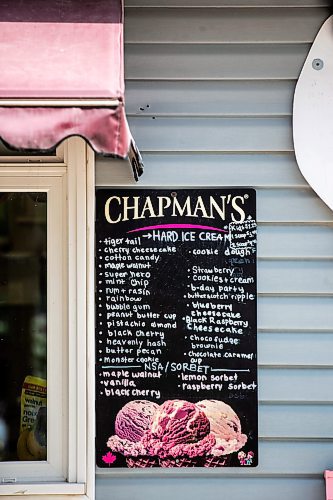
(69, 180)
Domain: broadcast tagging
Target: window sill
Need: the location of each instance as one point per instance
(25, 489)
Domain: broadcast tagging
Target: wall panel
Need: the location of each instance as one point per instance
(197, 169)
(304, 349)
(214, 61)
(212, 134)
(197, 25)
(254, 488)
(209, 98)
(227, 3)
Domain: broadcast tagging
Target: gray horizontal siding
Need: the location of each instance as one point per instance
(278, 25)
(298, 242)
(209, 101)
(282, 421)
(296, 349)
(296, 313)
(296, 277)
(214, 61)
(226, 3)
(253, 488)
(259, 170)
(212, 134)
(296, 385)
(288, 205)
(209, 98)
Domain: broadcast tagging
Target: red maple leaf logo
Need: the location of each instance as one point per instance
(109, 458)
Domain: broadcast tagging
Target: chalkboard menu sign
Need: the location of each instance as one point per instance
(176, 370)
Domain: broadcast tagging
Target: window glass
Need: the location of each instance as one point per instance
(23, 328)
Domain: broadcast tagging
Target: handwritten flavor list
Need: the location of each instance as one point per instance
(176, 328)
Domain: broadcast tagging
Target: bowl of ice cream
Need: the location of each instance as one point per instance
(131, 423)
(225, 425)
(179, 434)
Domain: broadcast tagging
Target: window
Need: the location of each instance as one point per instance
(43, 328)
(23, 325)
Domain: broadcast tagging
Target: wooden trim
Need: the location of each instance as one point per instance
(90, 235)
(77, 186)
(42, 489)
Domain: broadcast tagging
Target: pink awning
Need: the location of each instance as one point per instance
(64, 50)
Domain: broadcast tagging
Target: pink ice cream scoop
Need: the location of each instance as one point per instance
(131, 423)
(179, 428)
(225, 425)
(134, 418)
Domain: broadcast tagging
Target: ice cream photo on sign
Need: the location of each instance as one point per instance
(177, 433)
(132, 421)
(226, 427)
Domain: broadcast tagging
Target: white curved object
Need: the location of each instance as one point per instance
(313, 115)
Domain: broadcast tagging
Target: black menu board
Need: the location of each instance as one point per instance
(176, 369)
